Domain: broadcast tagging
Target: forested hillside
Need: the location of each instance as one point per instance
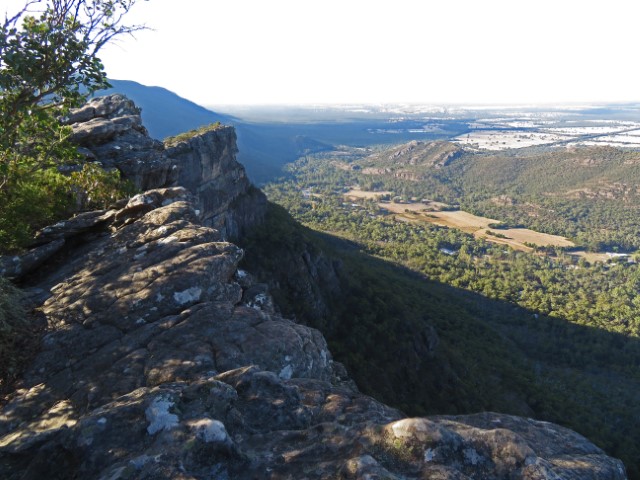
(589, 194)
(536, 333)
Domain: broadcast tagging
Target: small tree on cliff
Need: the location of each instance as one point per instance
(48, 64)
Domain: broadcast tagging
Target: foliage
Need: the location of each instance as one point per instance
(94, 187)
(48, 64)
(589, 194)
(37, 198)
(41, 197)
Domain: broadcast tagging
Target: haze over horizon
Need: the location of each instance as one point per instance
(335, 52)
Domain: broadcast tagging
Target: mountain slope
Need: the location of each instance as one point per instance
(165, 113)
(426, 347)
(263, 148)
(588, 194)
(163, 360)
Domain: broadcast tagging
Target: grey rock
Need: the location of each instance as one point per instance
(207, 166)
(109, 106)
(257, 296)
(16, 266)
(109, 129)
(81, 223)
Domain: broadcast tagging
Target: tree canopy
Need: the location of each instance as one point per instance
(48, 64)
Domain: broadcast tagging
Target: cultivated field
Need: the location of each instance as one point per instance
(412, 207)
(431, 212)
(500, 134)
(356, 193)
(500, 140)
(465, 221)
(516, 238)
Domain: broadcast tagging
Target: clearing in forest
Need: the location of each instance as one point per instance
(356, 193)
(516, 238)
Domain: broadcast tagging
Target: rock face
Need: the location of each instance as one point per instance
(109, 129)
(207, 167)
(162, 360)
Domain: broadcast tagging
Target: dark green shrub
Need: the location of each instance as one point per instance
(39, 198)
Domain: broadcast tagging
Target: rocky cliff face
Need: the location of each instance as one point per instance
(163, 360)
(110, 130)
(207, 167)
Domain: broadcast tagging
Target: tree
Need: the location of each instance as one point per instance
(48, 64)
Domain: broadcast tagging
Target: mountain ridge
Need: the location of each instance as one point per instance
(164, 112)
(163, 359)
(262, 152)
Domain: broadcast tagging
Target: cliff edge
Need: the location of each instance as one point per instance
(109, 129)
(163, 360)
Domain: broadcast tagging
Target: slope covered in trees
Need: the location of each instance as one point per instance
(520, 332)
(589, 194)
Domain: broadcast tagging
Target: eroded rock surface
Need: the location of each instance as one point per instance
(160, 363)
(109, 129)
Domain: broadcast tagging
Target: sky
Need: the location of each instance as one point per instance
(243, 52)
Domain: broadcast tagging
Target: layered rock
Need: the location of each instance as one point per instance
(109, 130)
(160, 363)
(207, 166)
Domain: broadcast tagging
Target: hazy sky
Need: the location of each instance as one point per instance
(351, 51)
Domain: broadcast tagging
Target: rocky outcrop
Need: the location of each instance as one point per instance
(159, 362)
(163, 360)
(109, 130)
(207, 167)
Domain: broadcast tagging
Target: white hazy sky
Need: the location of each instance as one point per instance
(219, 52)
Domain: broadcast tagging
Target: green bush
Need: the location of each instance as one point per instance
(49, 65)
(34, 200)
(41, 197)
(94, 187)
(183, 137)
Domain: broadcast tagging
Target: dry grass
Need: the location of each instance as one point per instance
(465, 221)
(516, 238)
(524, 235)
(356, 193)
(412, 207)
